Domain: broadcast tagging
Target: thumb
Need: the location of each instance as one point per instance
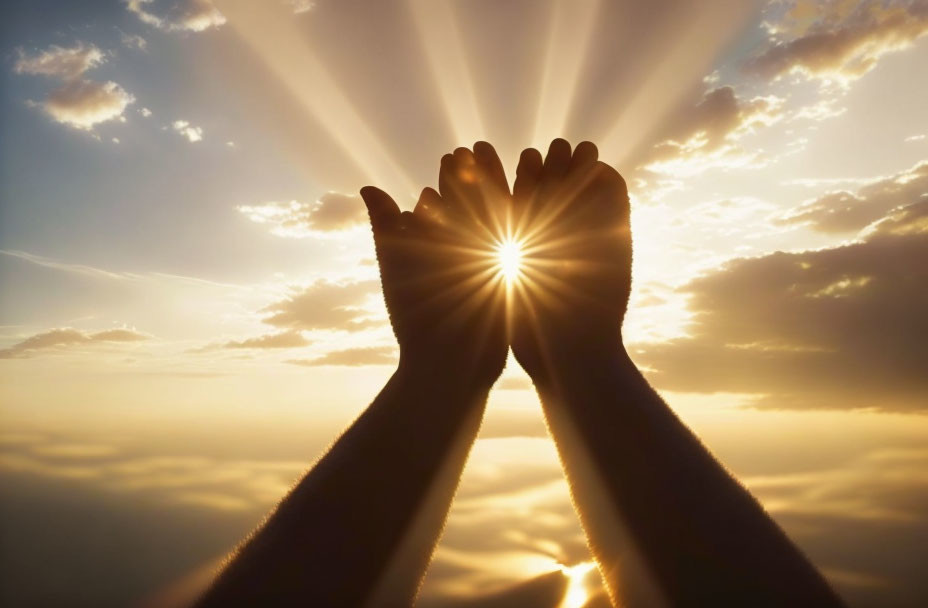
(381, 208)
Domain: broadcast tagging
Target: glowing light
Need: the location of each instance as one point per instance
(576, 594)
(509, 259)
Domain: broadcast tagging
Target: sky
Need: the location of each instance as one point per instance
(190, 311)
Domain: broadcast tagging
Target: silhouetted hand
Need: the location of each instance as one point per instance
(572, 214)
(445, 302)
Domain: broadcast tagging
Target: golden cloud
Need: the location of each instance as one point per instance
(832, 328)
(839, 40)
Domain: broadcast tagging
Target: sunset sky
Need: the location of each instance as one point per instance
(190, 311)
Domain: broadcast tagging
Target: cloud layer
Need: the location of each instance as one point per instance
(325, 305)
(331, 212)
(833, 328)
(370, 355)
(843, 211)
(67, 336)
(839, 40)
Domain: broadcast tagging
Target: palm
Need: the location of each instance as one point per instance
(573, 216)
(445, 303)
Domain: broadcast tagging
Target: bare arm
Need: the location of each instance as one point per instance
(359, 528)
(667, 523)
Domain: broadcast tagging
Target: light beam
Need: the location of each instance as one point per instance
(441, 40)
(277, 40)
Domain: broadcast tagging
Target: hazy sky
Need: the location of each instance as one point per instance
(190, 312)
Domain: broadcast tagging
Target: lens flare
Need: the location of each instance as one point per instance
(509, 259)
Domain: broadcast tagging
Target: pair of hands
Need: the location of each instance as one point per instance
(453, 313)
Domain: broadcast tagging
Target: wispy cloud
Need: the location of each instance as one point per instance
(839, 41)
(178, 16)
(845, 211)
(333, 211)
(705, 136)
(371, 355)
(69, 337)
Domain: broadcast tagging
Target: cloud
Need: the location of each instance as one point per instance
(843, 211)
(133, 41)
(863, 524)
(77, 102)
(839, 41)
(332, 211)
(833, 328)
(67, 336)
(59, 62)
(301, 6)
(178, 15)
(371, 355)
(145, 112)
(285, 339)
(85, 103)
(705, 136)
(185, 129)
(325, 305)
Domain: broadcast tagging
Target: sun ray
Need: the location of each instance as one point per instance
(276, 39)
(571, 27)
(441, 40)
(698, 38)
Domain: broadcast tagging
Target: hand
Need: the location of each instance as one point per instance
(445, 301)
(572, 214)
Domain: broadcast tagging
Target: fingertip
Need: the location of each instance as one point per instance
(379, 204)
(463, 155)
(587, 150)
(558, 155)
(483, 148)
(529, 159)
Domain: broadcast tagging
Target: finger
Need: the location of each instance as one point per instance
(446, 178)
(527, 174)
(558, 159)
(609, 192)
(429, 206)
(381, 208)
(489, 163)
(585, 155)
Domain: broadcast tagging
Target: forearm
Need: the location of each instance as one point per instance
(696, 531)
(333, 538)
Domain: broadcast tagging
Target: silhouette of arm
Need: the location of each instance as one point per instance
(360, 527)
(666, 522)
(338, 538)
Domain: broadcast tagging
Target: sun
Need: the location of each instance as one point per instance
(509, 259)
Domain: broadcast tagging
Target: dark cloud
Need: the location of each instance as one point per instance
(371, 355)
(325, 305)
(843, 211)
(840, 40)
(834, 328)
(67, 336)
(284, 339)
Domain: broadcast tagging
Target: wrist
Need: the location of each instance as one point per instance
(579, 366)
(438, 376)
